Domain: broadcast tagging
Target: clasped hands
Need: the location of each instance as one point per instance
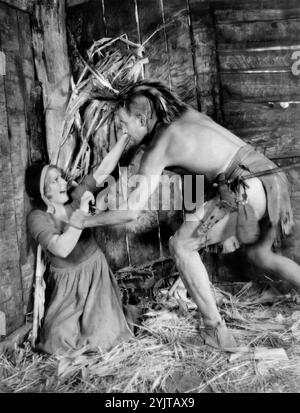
(78, 217)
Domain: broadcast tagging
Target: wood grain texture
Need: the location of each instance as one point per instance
(52, 66)
(150, 19)
(120, 18)
(253, 14)
(237, 60)
(272, 141)
(86, 24)
(205, 59)
(263, 86)
(179, 49)
(11, 302)
(245, 32)
(253, 4)
(238, 115)
(15, 90)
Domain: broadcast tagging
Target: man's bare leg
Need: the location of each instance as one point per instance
(184, 249)
(261, 254)
(184, 246)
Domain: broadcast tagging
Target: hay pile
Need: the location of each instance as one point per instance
(168, 355)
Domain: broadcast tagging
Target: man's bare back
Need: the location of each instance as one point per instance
(195, 144)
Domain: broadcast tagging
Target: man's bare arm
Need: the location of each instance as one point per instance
(110, 161)
(152, 166)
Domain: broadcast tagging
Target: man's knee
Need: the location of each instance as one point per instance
(175, 244)
(261, 257)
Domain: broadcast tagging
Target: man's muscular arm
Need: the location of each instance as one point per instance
(152, 166)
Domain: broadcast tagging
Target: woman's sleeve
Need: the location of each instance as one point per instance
(41, 227)
(88, 184)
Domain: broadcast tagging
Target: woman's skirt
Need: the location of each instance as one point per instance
(84, 310)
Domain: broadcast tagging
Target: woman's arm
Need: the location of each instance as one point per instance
(110, 160)
(62, 245)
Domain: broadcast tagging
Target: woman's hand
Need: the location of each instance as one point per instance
(84, 202)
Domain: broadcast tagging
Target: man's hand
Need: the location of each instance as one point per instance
(77, 219)
(85, 199)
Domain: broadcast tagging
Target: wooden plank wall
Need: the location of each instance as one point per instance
(260, 95)
(20, 135)
(230, 59)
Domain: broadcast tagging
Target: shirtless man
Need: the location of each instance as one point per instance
(175, 135)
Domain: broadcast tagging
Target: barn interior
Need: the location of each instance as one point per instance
(236, 61)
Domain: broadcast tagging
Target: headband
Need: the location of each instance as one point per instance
(50, 207)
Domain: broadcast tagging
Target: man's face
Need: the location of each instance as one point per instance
(132, 125)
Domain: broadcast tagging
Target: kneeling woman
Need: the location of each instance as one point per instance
(84, 309)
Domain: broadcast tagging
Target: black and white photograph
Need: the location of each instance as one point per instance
(149, 199)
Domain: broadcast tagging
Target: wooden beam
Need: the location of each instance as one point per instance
(204, 42)
(182, 73)
(24, 5)
(52, 65)
(13, 159)
(150, 19)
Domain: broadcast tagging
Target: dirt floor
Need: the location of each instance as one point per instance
(168, 354)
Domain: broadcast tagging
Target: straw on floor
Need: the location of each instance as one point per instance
(168, 355)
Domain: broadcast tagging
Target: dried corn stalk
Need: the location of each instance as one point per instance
(113, 64)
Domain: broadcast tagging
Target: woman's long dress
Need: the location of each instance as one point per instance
(85, 308)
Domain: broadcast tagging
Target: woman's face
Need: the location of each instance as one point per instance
(56, 186)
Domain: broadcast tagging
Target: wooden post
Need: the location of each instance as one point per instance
(52, 65)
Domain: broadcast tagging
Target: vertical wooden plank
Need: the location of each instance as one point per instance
(33, 111)
(180, 51)
(52, 67)
(120, 18)
(11, 302)
(143, 239)
(15, 103)
(151, 19)
(205, 58)
(86, 24)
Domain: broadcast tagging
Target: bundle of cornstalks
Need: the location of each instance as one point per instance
(112, 65)
(168, 355)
